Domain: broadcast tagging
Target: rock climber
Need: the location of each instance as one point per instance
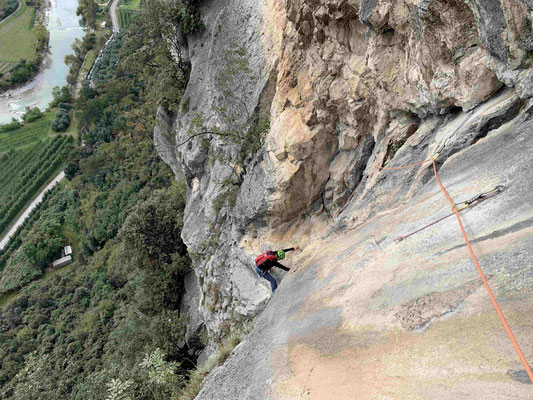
(265, 261)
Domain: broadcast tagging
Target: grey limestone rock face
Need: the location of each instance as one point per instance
(189, 306)
(224, 283)
(524, 86)
(362, 312)
(354, 83)
(491, 26)
(346, 173)
(529, 4)
(367, 6)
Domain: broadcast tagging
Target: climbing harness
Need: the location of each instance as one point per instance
(468, 203)
(456, 210)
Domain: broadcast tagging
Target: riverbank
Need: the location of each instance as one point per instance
(63, 26)
(24, 44)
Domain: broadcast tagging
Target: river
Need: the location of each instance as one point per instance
(64, 27)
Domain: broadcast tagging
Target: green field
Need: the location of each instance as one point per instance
(127, 10)
(129, 4)
(91, 55)
(18, 39)
(24, 171)
(87, 63)
(125, 17)
(27, 135)
(5, 66)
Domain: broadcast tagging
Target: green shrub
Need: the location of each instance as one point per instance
(22, 71)
(71, 170)
(61, 121)
(32, 114)
(61, 95)
(197, 376)
(11, 126)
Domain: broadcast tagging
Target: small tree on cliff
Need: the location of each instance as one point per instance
(240, 127)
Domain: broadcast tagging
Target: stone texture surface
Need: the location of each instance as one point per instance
(362, 314)
(225, 280)
(348, 84)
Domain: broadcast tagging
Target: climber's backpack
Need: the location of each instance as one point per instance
(260, 261)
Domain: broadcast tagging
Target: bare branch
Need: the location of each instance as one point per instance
(193, 136)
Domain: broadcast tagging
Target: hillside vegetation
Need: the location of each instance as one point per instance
(108, 325)
(31, 153)
(23, 172)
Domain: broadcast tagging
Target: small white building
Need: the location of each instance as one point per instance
(67, 251)
(62, 262)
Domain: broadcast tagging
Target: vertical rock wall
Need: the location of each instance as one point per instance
(346, 84)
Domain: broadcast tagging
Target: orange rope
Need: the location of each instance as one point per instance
(480, 271)
(493, 299)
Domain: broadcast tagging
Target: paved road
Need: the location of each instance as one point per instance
(27, 212)
(13, 13)
(113, 13)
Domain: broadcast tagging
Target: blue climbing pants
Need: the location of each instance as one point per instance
(268, 277)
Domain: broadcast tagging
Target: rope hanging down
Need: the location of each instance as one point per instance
(480, 271)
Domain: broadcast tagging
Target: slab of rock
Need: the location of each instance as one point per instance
(337, 79)
(362, 314)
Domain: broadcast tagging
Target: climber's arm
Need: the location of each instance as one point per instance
(277, 264)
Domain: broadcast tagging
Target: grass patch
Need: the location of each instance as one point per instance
(18, 38)
(99, 19)
(27, 134)
(88, 62)
(129, 4)
(72, 130)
